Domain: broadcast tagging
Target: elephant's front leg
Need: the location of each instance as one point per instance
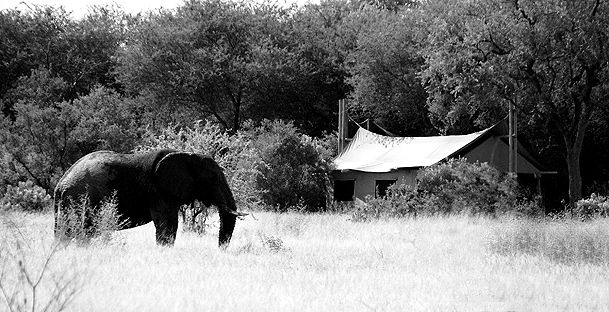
(165, 218)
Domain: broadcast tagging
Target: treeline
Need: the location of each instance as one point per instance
(69, 86)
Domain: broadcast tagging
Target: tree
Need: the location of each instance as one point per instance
(36, 139)
(384, 73)
(81, 52)
(29, 40)
(48, 134)
(547, 58)
(323, 35)
(211, 58)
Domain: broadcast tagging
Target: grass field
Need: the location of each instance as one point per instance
(294, 262)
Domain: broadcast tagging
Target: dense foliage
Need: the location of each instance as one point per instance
(110, 80)
(452, 187)
(26, 196)
(266, 165)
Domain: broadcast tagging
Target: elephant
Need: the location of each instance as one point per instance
(150, 186)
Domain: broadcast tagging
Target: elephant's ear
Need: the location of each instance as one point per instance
(173, 175)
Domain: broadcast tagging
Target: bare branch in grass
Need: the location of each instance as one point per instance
(23, 287)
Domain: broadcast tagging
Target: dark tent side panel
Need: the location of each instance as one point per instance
(495, 151)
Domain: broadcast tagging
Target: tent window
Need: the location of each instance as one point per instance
(381, 187)
(343, 190)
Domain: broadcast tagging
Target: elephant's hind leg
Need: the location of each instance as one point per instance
(166, 225)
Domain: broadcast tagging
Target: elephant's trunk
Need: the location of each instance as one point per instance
(227, 208)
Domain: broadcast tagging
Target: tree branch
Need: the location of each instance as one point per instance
(595, 8)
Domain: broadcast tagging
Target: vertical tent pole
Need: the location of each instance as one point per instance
(515, 135)
(340, 126)
(511, 140)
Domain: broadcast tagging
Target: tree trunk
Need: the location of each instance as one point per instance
(575, 177)
(574, 141)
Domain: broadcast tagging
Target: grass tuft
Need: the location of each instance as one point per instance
(564, 241)
(81, 222)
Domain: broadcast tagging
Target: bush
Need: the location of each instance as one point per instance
(461, 186)
(401, 200)
(270, 162)
(233, 153)
(25, 196)
(454, 186)
(194, 218)
(594, 206)
(293, 169)
(78, 220)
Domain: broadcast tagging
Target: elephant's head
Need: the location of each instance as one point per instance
(185, 177)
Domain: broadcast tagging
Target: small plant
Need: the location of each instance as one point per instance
(194, 218)
(80, 221)
(594, 206)
(30, 282)
(25, 196)
(262, 243)
(294, 223)
(365, 212)
(272, 243)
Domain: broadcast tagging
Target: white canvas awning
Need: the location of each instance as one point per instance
(372, 152)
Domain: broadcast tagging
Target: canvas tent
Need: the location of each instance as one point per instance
(371, 162)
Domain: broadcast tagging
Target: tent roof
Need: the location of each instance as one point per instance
(372, 152)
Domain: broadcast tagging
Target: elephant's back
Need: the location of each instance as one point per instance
(90, 174)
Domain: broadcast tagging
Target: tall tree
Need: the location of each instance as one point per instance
(81, 52)
(384, 73)
(548, 58)
(322, 36)
(209, 57)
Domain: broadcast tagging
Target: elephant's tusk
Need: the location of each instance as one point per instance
(239, 214)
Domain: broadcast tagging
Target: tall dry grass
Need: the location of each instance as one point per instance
(295, 262)
(565, 241)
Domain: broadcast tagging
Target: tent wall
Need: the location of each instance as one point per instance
(365, 182)
(495, 151)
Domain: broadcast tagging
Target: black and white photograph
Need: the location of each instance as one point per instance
(304, 155)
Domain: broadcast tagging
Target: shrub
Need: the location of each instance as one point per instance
(594, 206)
(194, 218)
(401, 200)
(232, 152)
(293, 169)
(460, 186)
(454, 186)
(78, 220)
(25, 196)
(268, 163)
